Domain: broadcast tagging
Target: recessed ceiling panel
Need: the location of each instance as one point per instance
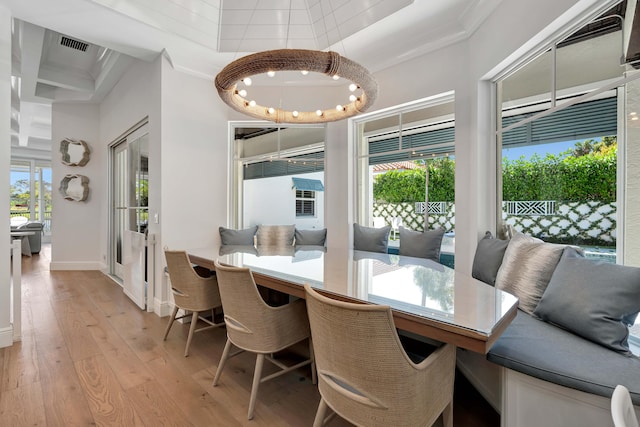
(249, 26)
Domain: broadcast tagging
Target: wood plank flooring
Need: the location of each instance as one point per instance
(89, 356)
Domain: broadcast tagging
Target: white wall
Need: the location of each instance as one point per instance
(273, 201)
(194, 164)
(6, 331)
(75, 226)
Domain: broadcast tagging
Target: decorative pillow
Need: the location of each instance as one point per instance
(310, 237)
(237, 249)
(593, 299)
(371, 239)
(526, 269)
(421, 245)
(276, 250)
(275, 235)
(229, 236)
(488, 258)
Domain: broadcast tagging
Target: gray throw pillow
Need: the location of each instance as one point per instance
(310, 237)
(421, 245)
(489, 254)
(229, 236)
(371, 239)
(275, 235)
(237, 249)
(593, 299)
(526, 269)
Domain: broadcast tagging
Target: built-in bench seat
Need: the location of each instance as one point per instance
(538, 373)
(549, 353)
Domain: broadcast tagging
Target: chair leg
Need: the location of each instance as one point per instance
(322, 410)
(447, 415)
(256, 383)
(223, 360)
(171, 320)
(192, 328)
(314, 375)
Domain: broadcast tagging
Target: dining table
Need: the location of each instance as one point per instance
(426, 298)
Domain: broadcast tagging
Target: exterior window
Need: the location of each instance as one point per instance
(406, 170)
(305, 203)
(564, 158)
(276, 168)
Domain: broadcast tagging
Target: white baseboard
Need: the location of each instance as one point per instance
(76, 265)
(161, 308)
(6, 337)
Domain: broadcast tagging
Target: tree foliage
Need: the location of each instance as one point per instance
(586, 172)
(409, 186)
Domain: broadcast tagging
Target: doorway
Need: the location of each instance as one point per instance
(129, 160)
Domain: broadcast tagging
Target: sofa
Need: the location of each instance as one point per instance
(560, 359)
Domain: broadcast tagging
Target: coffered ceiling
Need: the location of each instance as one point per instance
(76, 50)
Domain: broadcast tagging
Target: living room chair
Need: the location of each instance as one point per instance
(254, 326)
(622, 411)
(191, 292)
(364, 374)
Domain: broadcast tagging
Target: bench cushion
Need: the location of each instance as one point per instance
(544, 351)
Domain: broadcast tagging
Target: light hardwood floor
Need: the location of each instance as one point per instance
(89, 356)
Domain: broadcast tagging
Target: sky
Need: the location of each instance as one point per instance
(17, 175)
(540, 149)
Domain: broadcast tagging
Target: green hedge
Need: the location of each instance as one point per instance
(568, 177)
(408, 186)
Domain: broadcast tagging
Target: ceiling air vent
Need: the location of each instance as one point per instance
(74, 44)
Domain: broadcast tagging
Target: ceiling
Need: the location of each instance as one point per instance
(200, 37)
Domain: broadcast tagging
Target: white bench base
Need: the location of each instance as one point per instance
(525, 401)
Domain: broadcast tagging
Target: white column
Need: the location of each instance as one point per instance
(6, 332)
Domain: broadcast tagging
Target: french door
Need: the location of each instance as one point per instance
(130, 213)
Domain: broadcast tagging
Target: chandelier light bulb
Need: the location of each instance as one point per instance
(353, 87)
(319, 113)
(252, 103)
(247, 81)
(242, 93)
(339, 107)
(294, 113)
(271, 73)
(335, 77)
(271, 110)
(304, 72)
(352, 97)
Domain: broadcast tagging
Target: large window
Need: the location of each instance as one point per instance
(406, 168)
(562, 135)
(279, 175)
(31, 193)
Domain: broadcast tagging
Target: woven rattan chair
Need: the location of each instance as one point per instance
(364, 374)
(192, 293)
(254, 326)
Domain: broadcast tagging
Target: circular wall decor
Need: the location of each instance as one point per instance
(75, 152)
(75, 187)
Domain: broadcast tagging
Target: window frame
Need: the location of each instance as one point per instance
(310, 200)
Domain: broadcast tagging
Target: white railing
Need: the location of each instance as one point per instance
(435, 208)
(16, 290)
(533, 207)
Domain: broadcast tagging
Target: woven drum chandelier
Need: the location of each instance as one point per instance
(363, 89)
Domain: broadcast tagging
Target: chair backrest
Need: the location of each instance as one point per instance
(251, 324)
(190, 290)
(365, 375)
(622, 410)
